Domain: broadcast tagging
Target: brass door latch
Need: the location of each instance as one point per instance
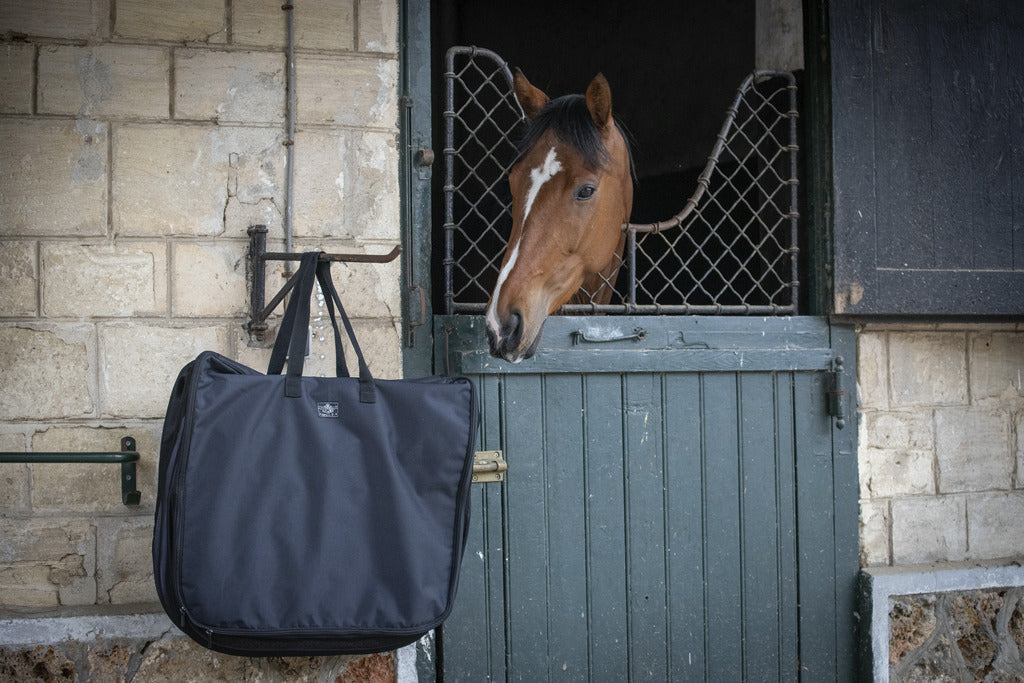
(489, 466)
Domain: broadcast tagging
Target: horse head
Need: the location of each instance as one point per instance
(572, 189)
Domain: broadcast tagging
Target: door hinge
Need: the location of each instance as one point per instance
(837, 393)
(416, 312)
(489, 466)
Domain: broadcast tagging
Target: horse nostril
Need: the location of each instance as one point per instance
(512, 330)
(505, 340)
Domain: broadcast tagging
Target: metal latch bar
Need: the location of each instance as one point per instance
(489, 466)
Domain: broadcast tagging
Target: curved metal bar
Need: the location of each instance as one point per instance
(704, 180)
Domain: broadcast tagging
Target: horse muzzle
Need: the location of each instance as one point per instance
(507, 341)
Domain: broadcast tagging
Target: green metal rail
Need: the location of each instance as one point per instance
(127, 457)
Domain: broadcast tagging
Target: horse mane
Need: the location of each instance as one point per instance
(570, 119)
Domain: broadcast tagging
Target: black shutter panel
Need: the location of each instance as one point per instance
(928, 156)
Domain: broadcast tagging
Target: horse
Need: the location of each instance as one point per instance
(572, 191)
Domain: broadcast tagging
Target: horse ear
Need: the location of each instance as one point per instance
(531, 99)
(599, 101)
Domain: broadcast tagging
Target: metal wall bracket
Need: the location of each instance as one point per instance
(489, 466)
(255, 270)
(127, 457)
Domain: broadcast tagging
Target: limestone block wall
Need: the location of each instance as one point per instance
(941, 442)
(138, 140)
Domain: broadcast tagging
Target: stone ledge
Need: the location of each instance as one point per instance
(117, 642)
(31, 628)
(877, 585)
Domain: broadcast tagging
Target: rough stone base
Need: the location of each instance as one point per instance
(146, 647)
(957, 636)
(955, 623)
(175, 659)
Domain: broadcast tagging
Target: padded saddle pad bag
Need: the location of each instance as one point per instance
(311, 516)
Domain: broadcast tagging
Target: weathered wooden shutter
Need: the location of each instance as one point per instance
(928, 156)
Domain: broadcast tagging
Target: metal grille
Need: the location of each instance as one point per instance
(731, 250)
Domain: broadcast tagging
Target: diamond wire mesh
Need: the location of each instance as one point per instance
(731, 250)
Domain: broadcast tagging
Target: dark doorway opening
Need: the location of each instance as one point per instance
(673, 68)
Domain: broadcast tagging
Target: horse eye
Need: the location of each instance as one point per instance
(585, 192)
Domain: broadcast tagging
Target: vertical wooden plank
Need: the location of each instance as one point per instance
(785, 484)
(645, 524)
(906, 236)
(992, 52)
(492, 413)
(845, 510)
(606, 531)
(1015, 153)
(942, 27)
(682, 437)
(723, 580)
(816, 528)
(853, 153)
(566, 505)
(526, 522)
(469, 626)
(761, 527)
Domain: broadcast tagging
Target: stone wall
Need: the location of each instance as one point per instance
(941, 442)
(138, 140)
(941, 460)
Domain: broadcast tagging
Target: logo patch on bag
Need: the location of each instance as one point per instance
(327, 409)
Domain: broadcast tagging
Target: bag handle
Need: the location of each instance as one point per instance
(284, 332)
(284, 335)
(367, 388)
(300, 326)
(291, 337)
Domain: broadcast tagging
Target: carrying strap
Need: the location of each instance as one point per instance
(284, 332)
(300, 327)
(292, 335)
(284, 335)
(367, 388)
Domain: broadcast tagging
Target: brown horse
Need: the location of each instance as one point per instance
(572, 190)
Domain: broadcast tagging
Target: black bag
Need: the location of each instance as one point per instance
(309, 516)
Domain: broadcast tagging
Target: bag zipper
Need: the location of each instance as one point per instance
(180, 466)
(212, 632)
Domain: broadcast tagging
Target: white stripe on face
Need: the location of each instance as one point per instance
(538, 176)
(492, 312)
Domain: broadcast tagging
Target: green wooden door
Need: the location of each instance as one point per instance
(680, 507)
(677, 507)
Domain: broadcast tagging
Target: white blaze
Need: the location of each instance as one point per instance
(538, 176)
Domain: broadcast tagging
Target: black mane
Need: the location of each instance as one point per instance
(571, 122)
